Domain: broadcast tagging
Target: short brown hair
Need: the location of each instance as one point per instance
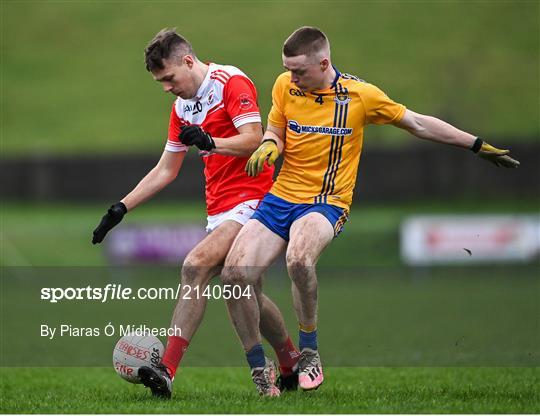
(306, 40)
(167, 43)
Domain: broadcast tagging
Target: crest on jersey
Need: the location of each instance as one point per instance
(342, 98)
(245, 101)
(211, 97)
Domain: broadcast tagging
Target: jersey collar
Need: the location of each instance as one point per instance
(338, 74)
(205, 83)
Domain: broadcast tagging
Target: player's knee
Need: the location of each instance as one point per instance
(193, 271)
(235, 275)
(300, 261)
(300, 268)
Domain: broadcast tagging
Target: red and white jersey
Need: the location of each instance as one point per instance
(226, 100)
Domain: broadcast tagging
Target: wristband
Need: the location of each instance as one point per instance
(269, 140)
(477, 145)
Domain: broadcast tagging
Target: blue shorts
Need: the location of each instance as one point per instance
(278, 215)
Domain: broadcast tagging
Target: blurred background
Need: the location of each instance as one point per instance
(439, 262)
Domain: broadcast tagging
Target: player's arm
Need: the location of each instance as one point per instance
(273, 140)
(240, 104)
(158, 178)
(248, 138)
(165, 171)
(268, 151)
(277, 134)
(434, 129)
(243, 144)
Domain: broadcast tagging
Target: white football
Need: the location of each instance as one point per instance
(132, 352)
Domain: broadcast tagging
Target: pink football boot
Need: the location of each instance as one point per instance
(310, 374)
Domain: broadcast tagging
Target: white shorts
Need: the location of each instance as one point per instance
(240, 213)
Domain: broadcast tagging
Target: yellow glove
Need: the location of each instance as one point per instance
(267, 150)
(497, 156)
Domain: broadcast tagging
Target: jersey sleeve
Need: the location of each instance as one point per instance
(240, 101)
(173, 142)
(276, 117)
(380, 109)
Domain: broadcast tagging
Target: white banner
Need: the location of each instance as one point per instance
(434, 239)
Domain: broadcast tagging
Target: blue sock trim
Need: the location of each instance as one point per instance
(308, 340)
(255, 357)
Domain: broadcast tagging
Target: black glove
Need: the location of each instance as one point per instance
(195, 136)
(113, 216)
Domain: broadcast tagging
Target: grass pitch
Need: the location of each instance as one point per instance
(230, 390)
(478, 325)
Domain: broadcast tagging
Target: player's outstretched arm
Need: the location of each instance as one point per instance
(158, 178)
(269, 150)
(431, 128)
(243, 144)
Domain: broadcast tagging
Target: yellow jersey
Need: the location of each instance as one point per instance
(324, 133)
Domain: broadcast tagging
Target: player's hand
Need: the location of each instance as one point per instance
(267, 151)
(196, 136)
(113, 216)
(497, 156)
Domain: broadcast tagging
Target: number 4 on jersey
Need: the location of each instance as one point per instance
(319, 99)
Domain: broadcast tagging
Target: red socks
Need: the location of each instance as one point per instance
(176, 347)
(287, 356)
